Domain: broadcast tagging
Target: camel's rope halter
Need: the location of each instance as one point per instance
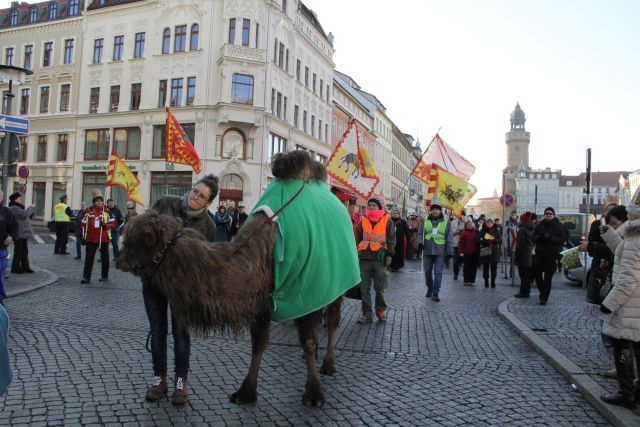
(267, 221)
(159, 256)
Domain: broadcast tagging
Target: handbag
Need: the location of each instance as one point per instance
(605, 289)
(485, 252)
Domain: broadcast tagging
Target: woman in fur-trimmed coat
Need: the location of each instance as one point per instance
(623, 301)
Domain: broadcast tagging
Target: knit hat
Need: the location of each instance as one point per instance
(550, 209)
(525, 217)
(63, 197)
(14, 196)
(376, 201)
(95, 199)
(436, 206)
(488, 219)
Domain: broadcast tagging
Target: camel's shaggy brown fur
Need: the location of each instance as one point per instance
(211, 289)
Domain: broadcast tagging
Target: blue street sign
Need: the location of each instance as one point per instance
(14, 124)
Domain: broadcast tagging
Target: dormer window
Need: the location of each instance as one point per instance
(53, 10)
(13, 18)
(33, 14)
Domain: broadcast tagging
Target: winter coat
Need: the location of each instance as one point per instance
(390, 234)
(78, 230)
(175, 206)
(468, 244)
(456, 226)
(494, 243)
(523, 254)
(8, 226)
(23, 217)
(96, 226)
(430, 246)
(624, 298)
(549, 236)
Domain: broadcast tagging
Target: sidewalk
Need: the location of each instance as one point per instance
(566, 333)
(18, 284)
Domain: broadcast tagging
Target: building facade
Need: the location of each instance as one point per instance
(536, 189)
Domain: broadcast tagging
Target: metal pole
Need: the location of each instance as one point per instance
(7, 140)
(586, 221)
(504, 226)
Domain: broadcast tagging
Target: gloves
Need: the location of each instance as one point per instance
(387, 261)
(604, 309)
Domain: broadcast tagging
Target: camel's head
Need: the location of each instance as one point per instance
(145, 236)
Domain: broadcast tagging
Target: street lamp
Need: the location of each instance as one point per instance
(9, 74)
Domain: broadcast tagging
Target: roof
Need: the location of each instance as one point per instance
(24, 9)
(603, 179)
(313, 18)
(566, 178)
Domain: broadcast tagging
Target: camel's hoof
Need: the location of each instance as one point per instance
(328, 368)
(243, 396)
(313, 395)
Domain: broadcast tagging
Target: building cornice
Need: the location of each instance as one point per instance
(43, 28)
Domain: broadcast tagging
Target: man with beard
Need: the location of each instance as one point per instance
(548, 236)
(438, 244)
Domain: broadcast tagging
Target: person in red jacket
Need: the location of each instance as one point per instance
(468, 248)
(97, 226)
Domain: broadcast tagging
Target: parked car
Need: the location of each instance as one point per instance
(575, 275)
(575, 224)
(51, 224)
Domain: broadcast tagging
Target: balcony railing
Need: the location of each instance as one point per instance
(244, 53)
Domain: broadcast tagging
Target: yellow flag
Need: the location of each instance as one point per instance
(452, 191)
(120, 175)
(351, 165)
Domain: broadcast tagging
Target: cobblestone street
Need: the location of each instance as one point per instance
(79, 357)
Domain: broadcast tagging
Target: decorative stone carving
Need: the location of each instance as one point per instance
(147, 121)
(119, 29)
(136, 74)
(95, 77)
(245, 53)
(115, 76)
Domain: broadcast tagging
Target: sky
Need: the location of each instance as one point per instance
(461, 65)
(573, 65)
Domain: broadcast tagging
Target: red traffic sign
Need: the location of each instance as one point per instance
(23, 172)
(507, 200)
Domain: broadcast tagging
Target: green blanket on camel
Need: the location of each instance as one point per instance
(315, 259)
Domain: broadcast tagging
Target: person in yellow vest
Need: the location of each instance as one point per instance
(376, 237)
(438, 243)
(62, 217)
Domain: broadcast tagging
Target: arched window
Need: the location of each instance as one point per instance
(232, 181)
(13, 18)
(195, 35)
(166, 40)
(33, 14)
(233, 144)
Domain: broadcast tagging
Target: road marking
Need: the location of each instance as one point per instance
(38, 239)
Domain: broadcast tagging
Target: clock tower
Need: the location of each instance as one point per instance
(517, 140)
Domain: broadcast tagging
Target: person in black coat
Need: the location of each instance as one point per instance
(402, 235)
(242, 216)
(548, 236)
(8, 234)
(523, 254)
(116, 214)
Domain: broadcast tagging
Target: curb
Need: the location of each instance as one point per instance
(51, 279)
(591, 390)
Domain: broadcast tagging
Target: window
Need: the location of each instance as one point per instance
(166, 41)
(298, 69)
(314, 82)
(169, 183)
(313, 125)
(327, 97)
(98, 45)
(138, 47)
(191, 90)
(96, 144)
(114, 98)
(284, 109)
(233, 144)
(257, 34)
(41, 149)
(8, 56)
(13, 18)
(65, 92)
(28, 56)
(126, 142)
(118, 47)
(159, 148)
(73, 7)
(162, 94)
(275, 50)
(296, 111)
(190, 132)
(63, 143)
(53, 10)
(232, 30)
(286, 61)
(246, 24)
(281, 55)
(326, 134)
(136, 93)
(284, 6)
(195, 36)
(319, 129)
(68, 51)
(242, 89)
(176, 92)
(277, 144)
(48, 54)
(306, 77)
(180, 39)
(33, 14)
(24, 101)
(321, 85)
(39, 190)
(44, 99)
(278, 104)
(22, 157)
(304, 121)
(94, 100)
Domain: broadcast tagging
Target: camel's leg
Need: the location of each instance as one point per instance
(332, 320)
(308, 331)
(259, 340)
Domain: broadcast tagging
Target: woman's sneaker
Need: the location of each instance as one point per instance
(179, 396)
(157, 390)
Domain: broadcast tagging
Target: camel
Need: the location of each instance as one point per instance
(227, 287)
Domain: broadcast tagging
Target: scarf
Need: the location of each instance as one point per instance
(14, 203)
(190, 213)
(221, 219)
(375, 215)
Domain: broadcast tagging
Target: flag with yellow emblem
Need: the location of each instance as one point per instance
(452, 191)
(351, 165)
(120, 175)
(440, 153)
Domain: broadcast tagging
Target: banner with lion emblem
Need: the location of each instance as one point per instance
(452, 191)
(351, 165)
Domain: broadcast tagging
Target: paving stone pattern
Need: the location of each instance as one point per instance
(572, 326)
(79, 357)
